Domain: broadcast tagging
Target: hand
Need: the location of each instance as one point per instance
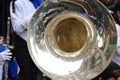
(5, 55)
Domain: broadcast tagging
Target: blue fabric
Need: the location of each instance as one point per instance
(36, 3)
(2, 48)
(13, 69)
(12, 66)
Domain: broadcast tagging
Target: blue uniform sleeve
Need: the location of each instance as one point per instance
(2, 48)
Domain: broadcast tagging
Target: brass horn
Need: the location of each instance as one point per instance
(72, 39)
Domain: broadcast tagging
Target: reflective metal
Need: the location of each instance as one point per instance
(72, 39)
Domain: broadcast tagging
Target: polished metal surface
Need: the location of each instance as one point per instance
(72, 39)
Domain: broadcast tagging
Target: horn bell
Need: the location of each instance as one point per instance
(72, 39)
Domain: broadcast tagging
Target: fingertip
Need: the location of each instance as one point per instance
(8, 50)
(10, 53)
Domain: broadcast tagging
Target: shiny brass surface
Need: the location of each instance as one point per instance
(72, 39)
(68, 35)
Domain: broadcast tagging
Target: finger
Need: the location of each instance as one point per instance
(7, 53)
(8, 58)
(7, 50)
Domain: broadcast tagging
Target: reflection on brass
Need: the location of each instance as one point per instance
(71, 39)
(70, 35)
